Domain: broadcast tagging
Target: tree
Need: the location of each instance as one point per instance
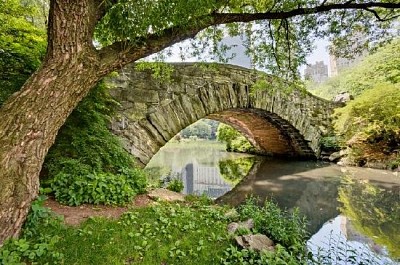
(128, 30)
(22, 45)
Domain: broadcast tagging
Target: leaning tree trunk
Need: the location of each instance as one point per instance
(30, 119)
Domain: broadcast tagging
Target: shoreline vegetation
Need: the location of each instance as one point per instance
(192, 231)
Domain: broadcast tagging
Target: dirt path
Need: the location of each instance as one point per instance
(76, 215)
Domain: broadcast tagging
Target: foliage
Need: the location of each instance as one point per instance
(160, 70)
(235, 141)
(330, 143)
(98, 188)
(373, 212)
(22, 45)
(279, 45)
(175, 185)
(203, 129)
(153, 235)
(379, 67)
(370, 124)
(339, 251)
(33, 243)
(87, 163)
(287, 230)
(234, 170)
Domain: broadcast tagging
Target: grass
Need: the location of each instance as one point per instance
(193, 232)
(161, 234)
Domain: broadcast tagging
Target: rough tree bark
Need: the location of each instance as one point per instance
(30, 119)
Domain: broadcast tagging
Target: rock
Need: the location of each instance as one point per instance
(335, 156)
(256, 242)
(166, 195)
(343, 97)
(233, 227)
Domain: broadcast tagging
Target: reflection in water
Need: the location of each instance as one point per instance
(361, 210)
(198, 165)
(372, 212)
(198, 180)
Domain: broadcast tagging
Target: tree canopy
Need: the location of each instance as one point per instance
(88, 39)
(277, 34)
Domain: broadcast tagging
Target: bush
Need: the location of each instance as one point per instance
(287, 230)
(98, 188)
(87, 163)
(175, 185)
(370, 124)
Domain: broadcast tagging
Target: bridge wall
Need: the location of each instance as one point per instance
(276, 122)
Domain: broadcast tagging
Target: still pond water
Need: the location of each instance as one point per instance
(349, 210)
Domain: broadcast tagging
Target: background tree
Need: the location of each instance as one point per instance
(126, 30)
(22, 46)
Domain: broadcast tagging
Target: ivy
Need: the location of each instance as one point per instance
(87, 163)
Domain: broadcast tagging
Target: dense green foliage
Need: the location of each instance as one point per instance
(98, 188)
(203, 129)
(370, 124)
(153, 235)
(380, 67)
(22, 45)
(87, 163)
(175, 185)
(235, 141)
(278, 45)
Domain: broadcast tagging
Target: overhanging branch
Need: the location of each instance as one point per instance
(121, 53)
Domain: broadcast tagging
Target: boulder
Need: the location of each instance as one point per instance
(335, 156)
(233, 227)
(343, 97)
(256, 242)
(166, 195)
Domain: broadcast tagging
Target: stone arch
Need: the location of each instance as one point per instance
(277, 123)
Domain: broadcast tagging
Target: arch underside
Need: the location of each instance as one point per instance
(267, 132)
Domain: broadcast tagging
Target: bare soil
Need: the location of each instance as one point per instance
(76, 215)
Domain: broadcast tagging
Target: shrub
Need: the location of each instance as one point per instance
(98, 188)
(370, 124)
(87, 163)
(175, 185)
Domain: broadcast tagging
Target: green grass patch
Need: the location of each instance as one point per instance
(194, 232)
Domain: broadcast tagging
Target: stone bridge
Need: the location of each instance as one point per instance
(276, 122)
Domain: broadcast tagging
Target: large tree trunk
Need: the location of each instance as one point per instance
(30, 119)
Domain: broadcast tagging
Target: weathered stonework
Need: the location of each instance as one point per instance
(276, 122)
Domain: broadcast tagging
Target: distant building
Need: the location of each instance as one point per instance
(338, 64)
(317, 72)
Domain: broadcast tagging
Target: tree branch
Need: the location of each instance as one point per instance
(121, 53)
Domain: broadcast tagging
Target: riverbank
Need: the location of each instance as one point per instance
(194, 231)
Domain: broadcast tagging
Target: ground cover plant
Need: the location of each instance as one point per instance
(194, 232)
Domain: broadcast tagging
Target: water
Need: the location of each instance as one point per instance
(347, 208)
